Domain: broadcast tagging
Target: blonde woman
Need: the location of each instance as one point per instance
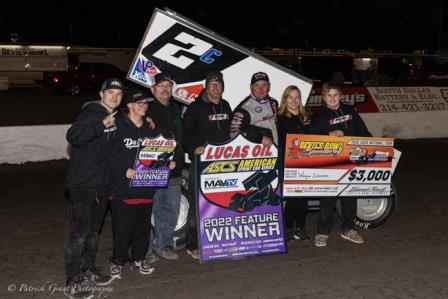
(293, 118)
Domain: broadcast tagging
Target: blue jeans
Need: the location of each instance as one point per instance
(165, 211)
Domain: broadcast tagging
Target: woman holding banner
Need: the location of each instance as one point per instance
(293, 118)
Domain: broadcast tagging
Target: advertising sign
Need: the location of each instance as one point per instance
(151, 164)
(240, 210)
(322, 165)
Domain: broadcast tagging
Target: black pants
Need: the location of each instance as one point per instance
(192, 229)
(131, 225)
(87, 210)
(295, 211)
(326, 214)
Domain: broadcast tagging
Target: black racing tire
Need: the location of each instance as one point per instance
(373, 212)
(180, 232)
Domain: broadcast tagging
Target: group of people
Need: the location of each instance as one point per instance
(105, 143)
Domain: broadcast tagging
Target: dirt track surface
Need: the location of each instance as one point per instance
(405, 258)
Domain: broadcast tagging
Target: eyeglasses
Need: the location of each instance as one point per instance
(141, 104)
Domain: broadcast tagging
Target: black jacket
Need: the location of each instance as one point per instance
(124, 150)
(90, 142)
(205, 122)
(290, 125)
(168, 120)
(345, 118)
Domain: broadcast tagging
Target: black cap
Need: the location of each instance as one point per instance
(134, 95)
(260, 76)
(160, 77)
(112, 84)
(214, 76)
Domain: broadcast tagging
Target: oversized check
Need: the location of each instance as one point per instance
(322, 165)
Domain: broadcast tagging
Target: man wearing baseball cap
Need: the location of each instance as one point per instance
(207, 120)
(90, 138)
(165, 113)
(256, 115)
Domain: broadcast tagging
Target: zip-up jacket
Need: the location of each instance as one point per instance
(91, 142)
(124, 151)
(255, 119)
(345, 118)
(205, 122)
(168, 120)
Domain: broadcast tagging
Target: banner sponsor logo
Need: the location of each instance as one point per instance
(240, 211)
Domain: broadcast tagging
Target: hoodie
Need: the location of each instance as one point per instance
(91, 142)
(345, 118)
(123, 154)
(206, 122)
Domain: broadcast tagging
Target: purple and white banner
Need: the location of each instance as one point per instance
(151, 164)
(240, 210)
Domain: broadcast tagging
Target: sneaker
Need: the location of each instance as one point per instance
(289, 235)
(78, 289)
(115, 270)
(320, 240)
(152, 258)
(94, 275)
(194, 253)
(353, 236)
(169, 254)
(301, 234)
(142, 266)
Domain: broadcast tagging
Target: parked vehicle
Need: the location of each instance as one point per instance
(85, 77)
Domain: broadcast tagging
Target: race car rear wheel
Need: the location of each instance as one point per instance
(181, 226)
(373, 211)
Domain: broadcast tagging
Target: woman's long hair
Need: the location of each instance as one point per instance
(283, 111)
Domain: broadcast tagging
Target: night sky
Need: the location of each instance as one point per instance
(315, 24)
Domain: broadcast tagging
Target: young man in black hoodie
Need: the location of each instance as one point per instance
(207, 120)
(167, 118)
(90, 136)
(131, 206)
(336, 119)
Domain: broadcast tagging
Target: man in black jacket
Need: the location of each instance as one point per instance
(207, 120)
(336, 119)
(90, 137)
(167, 118)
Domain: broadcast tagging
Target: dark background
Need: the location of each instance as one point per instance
(316, 24)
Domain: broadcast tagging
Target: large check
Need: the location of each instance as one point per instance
(321, 165)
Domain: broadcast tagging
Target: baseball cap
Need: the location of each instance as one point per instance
(112, 84)
(259, 76)
(160, 77)
(214, 76)
(134, 95)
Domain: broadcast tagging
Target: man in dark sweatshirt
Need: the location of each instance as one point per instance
(336, 119)
(90, 137)
(207, 120)
(167, 118)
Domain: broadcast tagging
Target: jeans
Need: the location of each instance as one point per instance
(87, 210)
(295, 211)
(131, 224)
(165, 212)
(326, 214)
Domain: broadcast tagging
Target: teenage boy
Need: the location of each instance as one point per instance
(336, 119)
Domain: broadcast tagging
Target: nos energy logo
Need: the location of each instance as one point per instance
(143, 70)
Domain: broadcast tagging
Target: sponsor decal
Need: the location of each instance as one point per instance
(340, 119)
(321, 148)
(222, 116)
